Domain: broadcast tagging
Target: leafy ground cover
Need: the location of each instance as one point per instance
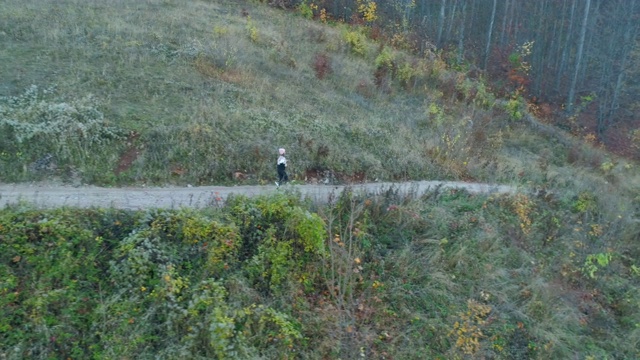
(447, 275)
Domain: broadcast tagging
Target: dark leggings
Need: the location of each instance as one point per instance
(282, 174)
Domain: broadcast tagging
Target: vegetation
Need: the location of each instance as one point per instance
(446, 275)
(554, 62)
(194, 92)
(191, 92)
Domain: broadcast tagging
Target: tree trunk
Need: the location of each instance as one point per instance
(541, 52)
(565, 50)
(583, 34)
(620, 51)
(489, 33)
(461, 34)
(504, 22)
(441, 22)
(451, 19)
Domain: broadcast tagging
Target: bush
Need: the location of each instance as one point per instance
(516, 107)
(280, 239)
(45, 133)
(64, 128)
(356, 42)
(322, 65)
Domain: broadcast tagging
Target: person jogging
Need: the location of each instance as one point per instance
(282, 168)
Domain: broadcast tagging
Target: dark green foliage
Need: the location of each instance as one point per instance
(448, 274)
(53, 272)
(106, 283)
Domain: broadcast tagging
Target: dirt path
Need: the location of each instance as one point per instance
(49, 196)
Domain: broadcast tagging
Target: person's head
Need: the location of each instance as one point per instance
(281, 151)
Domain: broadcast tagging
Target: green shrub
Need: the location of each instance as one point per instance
(356, 42)
(515, 107)
(385, 59)
(306, 10)
(252, 30)
(51, 269)
(280, 238)
(585, 202)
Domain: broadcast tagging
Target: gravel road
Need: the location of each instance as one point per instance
(50, 196)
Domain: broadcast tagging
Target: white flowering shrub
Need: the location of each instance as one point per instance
(34, 125)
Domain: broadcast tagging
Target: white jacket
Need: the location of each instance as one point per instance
(282, 160)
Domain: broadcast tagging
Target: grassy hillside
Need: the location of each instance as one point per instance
(208, 90)
(204, 92)
(194, 91)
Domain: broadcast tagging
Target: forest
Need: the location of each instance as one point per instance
(578, 60)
